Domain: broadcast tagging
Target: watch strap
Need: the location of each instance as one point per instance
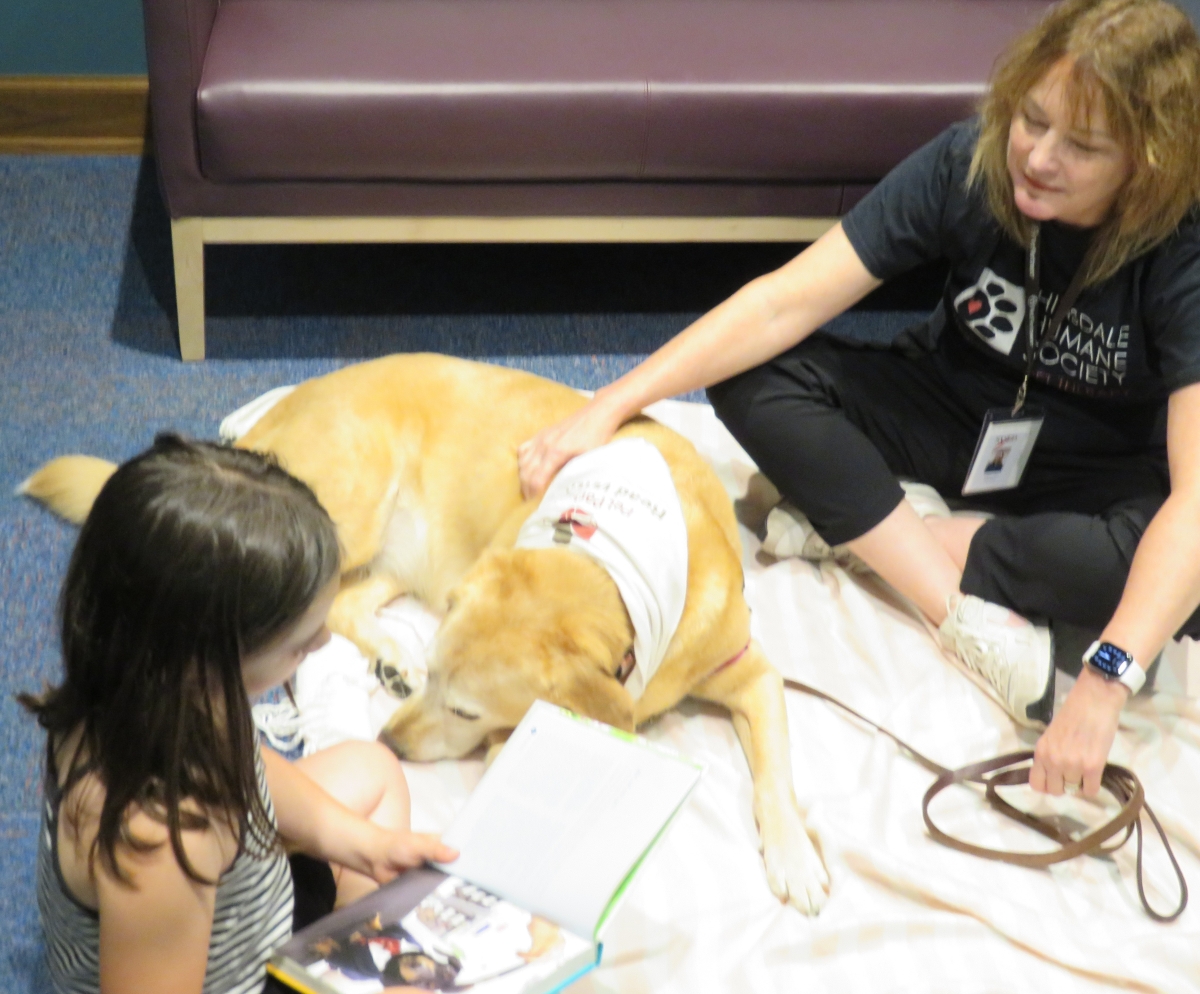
(1133, 676)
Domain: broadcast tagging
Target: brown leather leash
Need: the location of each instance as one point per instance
(1012, 770)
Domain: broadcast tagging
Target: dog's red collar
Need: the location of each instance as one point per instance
(733, 659)
(628, 663)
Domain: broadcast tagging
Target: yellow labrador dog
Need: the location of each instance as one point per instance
(414, 456)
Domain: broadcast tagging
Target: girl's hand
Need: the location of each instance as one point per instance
(395, 852)
(539, 459)
(1073, 751)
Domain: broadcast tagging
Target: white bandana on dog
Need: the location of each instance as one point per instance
(618, 505)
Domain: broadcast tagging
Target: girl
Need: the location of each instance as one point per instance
(1079, 179)
(201, 578)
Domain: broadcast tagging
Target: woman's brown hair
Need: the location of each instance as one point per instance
(193, 556)
(1141, 60)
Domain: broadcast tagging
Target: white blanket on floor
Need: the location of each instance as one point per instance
(905, 915)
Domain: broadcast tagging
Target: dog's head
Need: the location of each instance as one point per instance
(523, 624)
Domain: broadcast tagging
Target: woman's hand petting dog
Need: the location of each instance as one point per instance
(540, 458)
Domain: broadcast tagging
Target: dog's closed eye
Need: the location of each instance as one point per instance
(464, 714)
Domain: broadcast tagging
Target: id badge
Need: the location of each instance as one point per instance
(1003, 450)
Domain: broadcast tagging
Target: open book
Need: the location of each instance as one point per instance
(549, 841)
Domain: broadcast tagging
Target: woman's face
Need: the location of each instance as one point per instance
(1063, 169)
(271, 666)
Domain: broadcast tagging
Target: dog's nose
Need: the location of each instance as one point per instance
(392, 744)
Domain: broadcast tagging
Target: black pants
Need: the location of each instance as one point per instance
(314, 888)
(833, 424)
(315, 891)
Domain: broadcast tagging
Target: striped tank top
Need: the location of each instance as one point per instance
(253, 913)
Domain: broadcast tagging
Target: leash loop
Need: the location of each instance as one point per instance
(1011, 770)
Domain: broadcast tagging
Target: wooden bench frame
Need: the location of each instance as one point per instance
(189, 235)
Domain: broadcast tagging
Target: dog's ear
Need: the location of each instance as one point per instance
(584, 679)
(594, 693)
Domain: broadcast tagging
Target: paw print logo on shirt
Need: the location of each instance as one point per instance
(994, 309)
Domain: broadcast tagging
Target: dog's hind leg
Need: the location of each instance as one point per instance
(353, 616)
(752, 689)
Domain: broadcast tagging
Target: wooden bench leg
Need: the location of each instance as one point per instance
(187, 240)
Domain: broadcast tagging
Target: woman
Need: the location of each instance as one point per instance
(1085, 162)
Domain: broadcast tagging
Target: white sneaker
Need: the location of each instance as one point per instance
(1010, 658)
(791, 534)
(281, 725)
(924, 499)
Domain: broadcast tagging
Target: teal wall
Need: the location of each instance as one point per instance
(67, 37)
(54, 37)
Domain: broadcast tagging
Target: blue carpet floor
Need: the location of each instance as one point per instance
(89, 363)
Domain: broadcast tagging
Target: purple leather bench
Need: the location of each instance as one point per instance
(551, 120)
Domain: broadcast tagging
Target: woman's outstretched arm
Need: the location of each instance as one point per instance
(764, 318)
(1160, 594)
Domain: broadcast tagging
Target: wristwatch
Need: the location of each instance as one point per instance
(1114, 663)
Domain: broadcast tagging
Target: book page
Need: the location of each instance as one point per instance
(456, 936)
(564, 813)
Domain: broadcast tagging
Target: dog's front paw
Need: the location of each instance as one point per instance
(795, 872)
(393, 669)
(392, 679)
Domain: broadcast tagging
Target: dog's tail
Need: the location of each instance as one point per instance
(69, 485)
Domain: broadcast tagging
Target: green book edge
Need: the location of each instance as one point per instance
(633, 738)
(620, 891)
(644, 743)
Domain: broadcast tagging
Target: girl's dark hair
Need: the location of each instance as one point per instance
(194, 555)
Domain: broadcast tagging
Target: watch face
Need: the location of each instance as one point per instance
(1110, 660)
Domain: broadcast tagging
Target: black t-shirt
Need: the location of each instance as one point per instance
(1133, 338)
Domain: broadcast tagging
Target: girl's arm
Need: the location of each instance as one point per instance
(154, 934)
(764, 318)
(317, 824)
(1162, 591)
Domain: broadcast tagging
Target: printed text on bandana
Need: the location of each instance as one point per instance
(605, 495)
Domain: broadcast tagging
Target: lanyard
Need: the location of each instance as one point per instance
(1033, 286)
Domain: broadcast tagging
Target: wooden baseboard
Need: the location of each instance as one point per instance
(315, 230)
(73, 115)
